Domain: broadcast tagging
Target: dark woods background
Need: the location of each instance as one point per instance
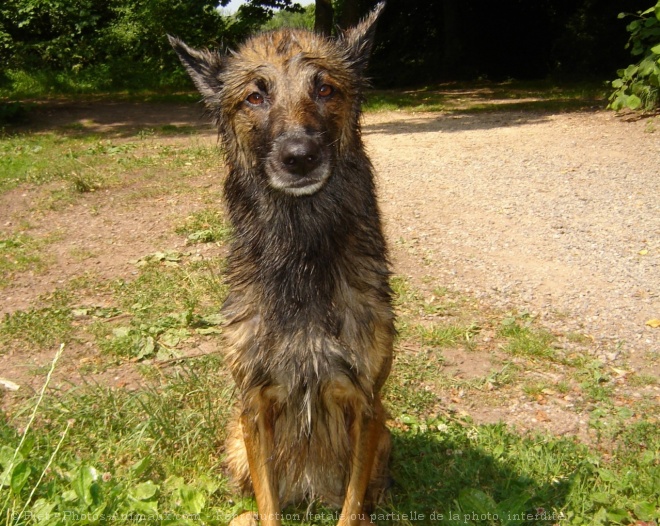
(423, 41)
(121, 43)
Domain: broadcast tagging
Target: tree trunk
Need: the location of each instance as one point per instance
(323, 17)
(350, 14)
(451, 41)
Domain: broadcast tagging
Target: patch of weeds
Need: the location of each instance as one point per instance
(448, 335)
(172, 129)
(507, 375)
(161, 338)
(523, 339)
(38, 159)
(622, 490)
(413, 100)
(42, 328)
(579, 338)
(651, 125)
(642, 380)
(409, 389)
(595, 381)
(440, 303)
(479, 475)
(18, 253)
(404, 294)
(536, 389)
(101, 452)
(83, 184)
(169, 302)
(81, 253)
(205, 226)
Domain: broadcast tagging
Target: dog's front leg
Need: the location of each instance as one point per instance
(258, 433)
(364, 435)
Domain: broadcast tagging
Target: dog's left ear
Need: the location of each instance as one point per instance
(360, 39)
(203, 66)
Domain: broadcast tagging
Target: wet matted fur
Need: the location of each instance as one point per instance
(309, 323)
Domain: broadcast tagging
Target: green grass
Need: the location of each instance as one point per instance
(85, 162)
(523, 339)
(205, 226)
(171, 301)
(97, 449)
(18, 253)
(489, 96)
(159, 450)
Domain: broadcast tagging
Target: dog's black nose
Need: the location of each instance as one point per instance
(300, 155)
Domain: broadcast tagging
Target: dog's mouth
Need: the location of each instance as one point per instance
(298, 164)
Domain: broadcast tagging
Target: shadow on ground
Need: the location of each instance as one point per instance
(446, 479)
(120, 119)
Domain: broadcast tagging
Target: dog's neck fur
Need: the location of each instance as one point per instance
(299, 248)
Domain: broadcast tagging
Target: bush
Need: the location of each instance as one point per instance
(638, 85)
(12, 112)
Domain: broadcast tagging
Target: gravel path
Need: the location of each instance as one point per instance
(555, 214)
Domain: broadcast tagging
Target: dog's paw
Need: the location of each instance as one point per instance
(247, 518)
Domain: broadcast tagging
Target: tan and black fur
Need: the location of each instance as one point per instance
(309, 323)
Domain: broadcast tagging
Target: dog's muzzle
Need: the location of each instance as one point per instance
(299, 163)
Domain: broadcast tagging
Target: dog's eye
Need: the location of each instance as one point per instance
(325, 91)
(255, 98)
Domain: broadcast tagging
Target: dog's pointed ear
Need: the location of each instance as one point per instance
(359, 40)
(203, 66)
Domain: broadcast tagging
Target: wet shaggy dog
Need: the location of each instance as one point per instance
(309, 323)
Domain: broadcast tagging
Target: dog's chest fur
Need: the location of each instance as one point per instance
(306, 303)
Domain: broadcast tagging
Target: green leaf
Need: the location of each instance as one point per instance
(208, 330)
(9, 463)
(146, 348)
(633, 102)
(648, 458)
(656, 49)
(617, 83)
(601, 497)
(82, 483)
(20, 476)
(7, 455)
(213, 319)
(606, 475)
(141, 466)
(617, 515)
(144, 491)
(474, 500)
(646, 67)
(26, 447)
(600, 517)
(146, 507)
(69, 496)
(192, 500)
(630, 71)
(43, 509)
(121, 332)
(513, 506)
(645, 511)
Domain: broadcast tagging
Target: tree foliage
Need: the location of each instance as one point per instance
(119, 42)
(422, 42)
(122, 44)
(303, 19)
(638, 85)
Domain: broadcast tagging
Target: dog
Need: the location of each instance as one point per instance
(309, 325)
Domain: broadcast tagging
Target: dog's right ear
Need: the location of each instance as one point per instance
(203, 66)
